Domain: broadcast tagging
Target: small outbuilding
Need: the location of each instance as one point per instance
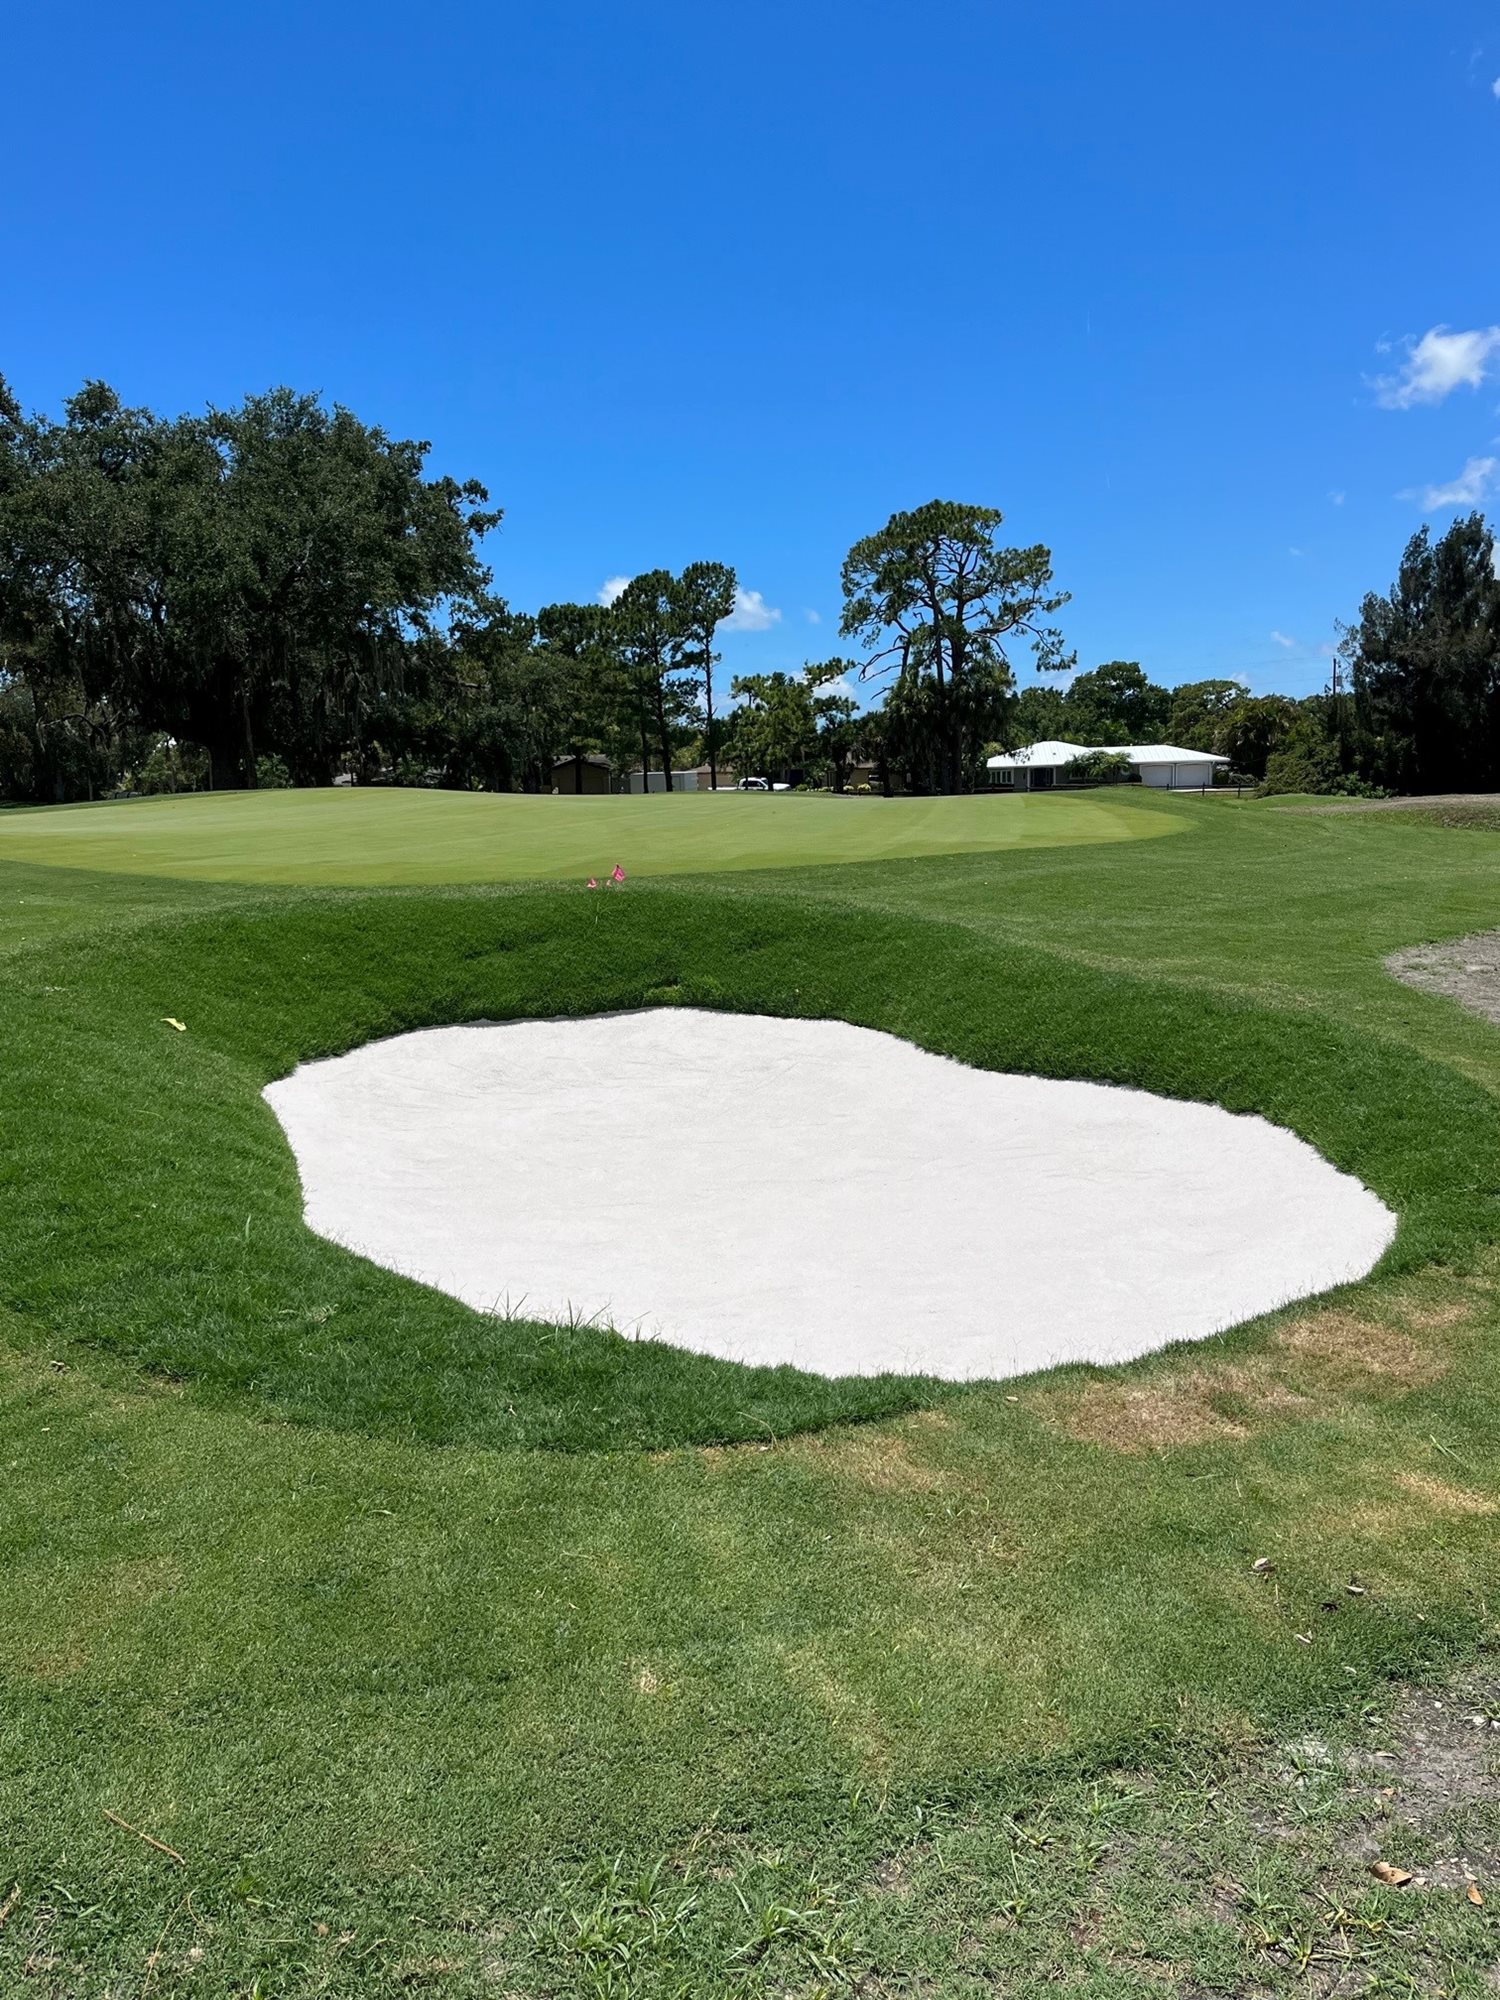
(657, 781)
(582, 774)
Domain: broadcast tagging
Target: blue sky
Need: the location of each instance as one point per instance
(684, 281)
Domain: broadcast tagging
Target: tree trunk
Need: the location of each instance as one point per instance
(645, 750)
(947, 760)
(247, 739)
(953, 735)
(220, 721)
(39, 764)
(664, 732)
(708, 703)
(230, 768)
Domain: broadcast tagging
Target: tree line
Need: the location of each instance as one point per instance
(280, 593)
(1412, 704)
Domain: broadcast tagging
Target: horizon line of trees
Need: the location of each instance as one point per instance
(1412, 705)
(278, 593)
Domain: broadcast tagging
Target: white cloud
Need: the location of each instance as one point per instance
(1478, 478)
(1495, 86)
(1337, 498)
(1437, 364)
(1280, 639)
(751, 613)
(813, 617)
(611, 588)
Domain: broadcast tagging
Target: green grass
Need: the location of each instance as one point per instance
(118, 1237)
(361, 838)
(483, 1660)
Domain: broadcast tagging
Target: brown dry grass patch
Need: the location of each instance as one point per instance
(1311, 1364)
(1350, 1345)
(873, 1456)
(1395, 1519)
(143, 1579)
(56, 1663)
(1444, 1498)
(851, 1714)
(876, 1456)
(1196, 1405)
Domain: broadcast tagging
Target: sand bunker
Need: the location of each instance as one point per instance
(812, 1193)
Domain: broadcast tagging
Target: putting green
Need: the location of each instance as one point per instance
(362, 838)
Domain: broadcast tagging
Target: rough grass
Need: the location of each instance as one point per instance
(1472, 817)
(959, 1697)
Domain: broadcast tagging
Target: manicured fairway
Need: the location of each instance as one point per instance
(367, 838)
(467, 1658)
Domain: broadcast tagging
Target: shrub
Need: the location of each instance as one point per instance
(170, 766)
(1309, 761)
(1098, 767)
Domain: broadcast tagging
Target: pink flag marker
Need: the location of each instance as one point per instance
(617, 873)
(591, 883)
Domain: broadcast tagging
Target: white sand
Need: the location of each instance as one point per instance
(812, 1193)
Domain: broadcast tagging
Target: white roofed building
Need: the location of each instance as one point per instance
(1048, 756)
(1166, 766)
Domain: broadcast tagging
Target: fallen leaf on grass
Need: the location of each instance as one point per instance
(1263, 1566)
(1474, 1896)
(9, 1904)
(1387, 1871)
(173, 1022)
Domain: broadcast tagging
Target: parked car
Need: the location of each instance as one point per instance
(752, 785)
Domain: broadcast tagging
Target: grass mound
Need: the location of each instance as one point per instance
(170, 1232)
(1466, 815)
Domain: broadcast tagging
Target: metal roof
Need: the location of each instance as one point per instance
(1167, 753)
(1038, 756)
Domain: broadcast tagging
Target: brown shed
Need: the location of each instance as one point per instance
(582, 774)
